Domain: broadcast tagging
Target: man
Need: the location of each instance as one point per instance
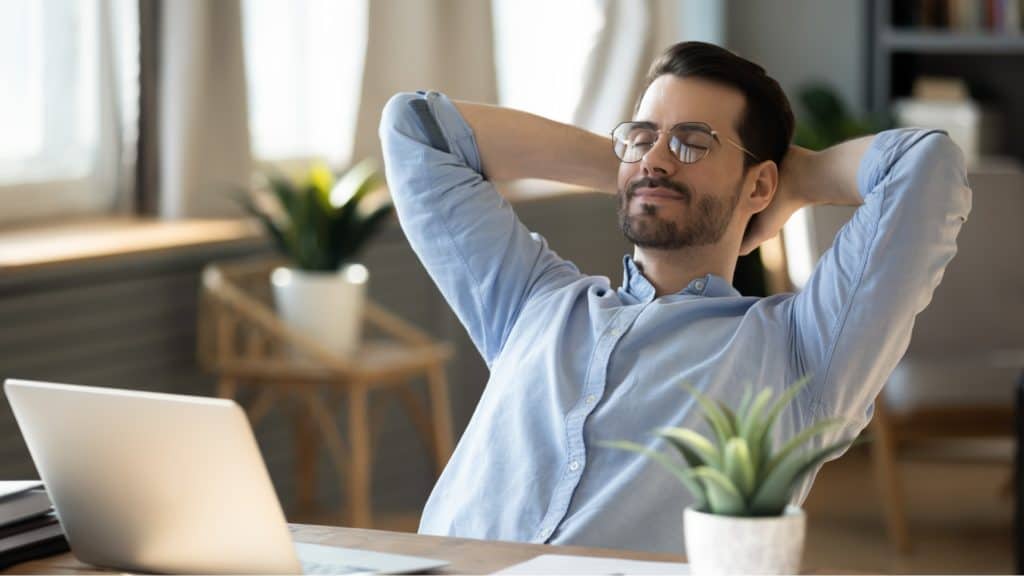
(700, 179)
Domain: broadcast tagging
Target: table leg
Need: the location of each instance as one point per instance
(1018, 516)
(441, 415)
(359, 439)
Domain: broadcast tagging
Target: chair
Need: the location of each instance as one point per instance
(246, 345)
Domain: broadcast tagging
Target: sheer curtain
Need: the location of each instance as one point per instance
(69, 106)
(304, 67)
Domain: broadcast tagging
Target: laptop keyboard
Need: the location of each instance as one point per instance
(332, 568)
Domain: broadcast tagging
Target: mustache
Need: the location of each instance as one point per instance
(649, 182)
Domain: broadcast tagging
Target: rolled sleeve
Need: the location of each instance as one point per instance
(482, 258)
(854, 318)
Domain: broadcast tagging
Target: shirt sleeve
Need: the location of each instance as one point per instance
(853, 320)
(482, 258)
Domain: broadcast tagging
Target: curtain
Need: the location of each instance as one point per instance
(202, 121)
(442, 45)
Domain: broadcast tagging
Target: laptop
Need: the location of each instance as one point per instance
(145, 481)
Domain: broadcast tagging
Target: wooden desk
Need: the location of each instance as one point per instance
(466, 556)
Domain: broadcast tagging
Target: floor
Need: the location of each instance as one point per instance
(960, 519)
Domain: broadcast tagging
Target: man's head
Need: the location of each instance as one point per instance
(672, 192)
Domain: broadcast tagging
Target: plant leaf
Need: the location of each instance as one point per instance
(798, 440)
(738, 467)
(686, 477)
(723, 496)
(719, 422)
(702, 450)
(777, 488)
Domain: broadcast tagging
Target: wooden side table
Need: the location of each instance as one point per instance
(246, 345)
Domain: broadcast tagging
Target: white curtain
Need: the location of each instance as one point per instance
(447, 45)
(203, 122)
(633, 35)
(424, 44)
(68, 107)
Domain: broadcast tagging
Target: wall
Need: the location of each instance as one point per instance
(803, 40)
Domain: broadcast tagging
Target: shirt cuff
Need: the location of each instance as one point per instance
(456, 130)
(885, 149)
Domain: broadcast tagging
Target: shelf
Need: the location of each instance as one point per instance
(942, 41)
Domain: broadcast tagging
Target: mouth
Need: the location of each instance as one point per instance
(657, 193)
(653, 190)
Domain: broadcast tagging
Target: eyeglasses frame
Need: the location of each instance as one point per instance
(702, 125)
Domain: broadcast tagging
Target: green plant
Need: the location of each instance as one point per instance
(321, 223)
(737, 473)
(827, 120)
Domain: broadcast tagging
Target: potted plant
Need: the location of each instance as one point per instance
(741, 521)
(321, 222)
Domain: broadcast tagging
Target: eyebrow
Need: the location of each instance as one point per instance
(652, 125)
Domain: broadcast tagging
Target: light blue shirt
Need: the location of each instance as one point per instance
(574, 361)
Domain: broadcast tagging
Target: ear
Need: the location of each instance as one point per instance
(761, 183)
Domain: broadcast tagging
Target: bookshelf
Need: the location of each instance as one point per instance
(913, 38)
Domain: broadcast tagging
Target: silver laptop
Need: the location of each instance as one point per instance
(154, 482)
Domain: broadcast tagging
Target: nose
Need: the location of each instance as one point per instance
(659, 160)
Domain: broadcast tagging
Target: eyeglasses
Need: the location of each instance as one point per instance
(689, 141)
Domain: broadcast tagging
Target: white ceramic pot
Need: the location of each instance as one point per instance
(738, 545)
(327, 306)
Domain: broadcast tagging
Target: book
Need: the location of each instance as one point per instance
(10, 488)
(24, 505)
(30, 539)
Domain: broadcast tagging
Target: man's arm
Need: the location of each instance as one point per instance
(481, 257)
(852, 322)
(810, 178)
(515, 144)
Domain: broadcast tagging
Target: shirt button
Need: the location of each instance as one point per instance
(591, 399)
(698, 285)
(616, 332)
(574, 465)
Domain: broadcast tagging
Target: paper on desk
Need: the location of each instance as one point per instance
(561, 564)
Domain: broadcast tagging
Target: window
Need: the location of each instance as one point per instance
(70, 69)
(541, 51)
(304, 66)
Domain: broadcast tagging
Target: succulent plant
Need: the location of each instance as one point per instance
(321, 222)
(737, 472)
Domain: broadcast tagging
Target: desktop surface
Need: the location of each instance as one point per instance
(465, 555)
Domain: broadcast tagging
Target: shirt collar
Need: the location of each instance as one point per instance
(635, 284)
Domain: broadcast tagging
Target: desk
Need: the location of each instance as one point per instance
(466, 556)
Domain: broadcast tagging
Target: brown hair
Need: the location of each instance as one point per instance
(766, 125)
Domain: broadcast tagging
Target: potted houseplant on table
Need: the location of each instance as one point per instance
(321, 222)
(741, 521)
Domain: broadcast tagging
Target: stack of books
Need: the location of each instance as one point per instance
(29, 527)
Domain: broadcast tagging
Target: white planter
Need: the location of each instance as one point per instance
(327, 306)
(737, 545)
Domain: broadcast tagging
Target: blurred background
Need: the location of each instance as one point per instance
(133, 133)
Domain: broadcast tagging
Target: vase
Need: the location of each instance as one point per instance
(718, 544)
(326, 306)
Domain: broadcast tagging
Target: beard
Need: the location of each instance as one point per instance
(706, 222)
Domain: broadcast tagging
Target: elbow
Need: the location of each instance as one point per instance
(396, 115)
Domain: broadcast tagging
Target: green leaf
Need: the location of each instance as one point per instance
(741, 412)
(777, 488)
(325, 226)
(702, 451)
(760, 429)
(723, 496)
(686, 477)
(785, 398)
(738, 467)
(798, 440)
(751, 423)
(716, 418)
